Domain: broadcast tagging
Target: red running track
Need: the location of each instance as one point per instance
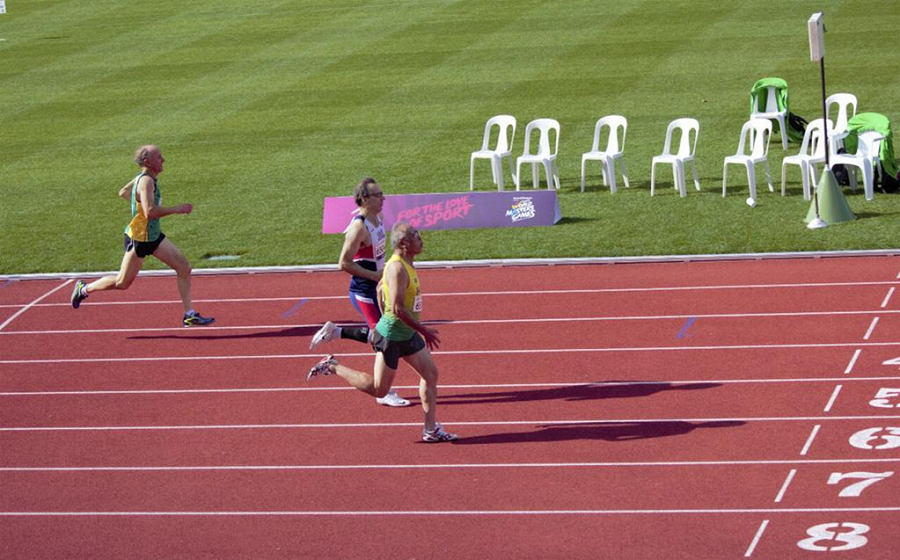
(696, 410)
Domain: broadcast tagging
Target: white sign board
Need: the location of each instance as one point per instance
(816, 27)
(2, 6)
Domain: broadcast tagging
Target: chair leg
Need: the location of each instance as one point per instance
(724, 178)
(548, 171)
(555, 167)
(609, 164)
(497, 166)
(652, 177)
(512, 172)
(784, 176)
(784, 135)
(768, 175)
(804, 172)
(868, 180)
(751, 180)
(472, 174)
(694, 173)
(582, 173)
(680, 179)
(518, 175)
(624, 172)
(535, 176)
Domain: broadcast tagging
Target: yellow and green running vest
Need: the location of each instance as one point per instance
(390, 326)
(141, 229)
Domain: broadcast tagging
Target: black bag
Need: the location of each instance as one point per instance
(797, 123)
(889, 183)
(841, 175)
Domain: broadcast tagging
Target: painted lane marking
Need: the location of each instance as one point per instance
(853, 361)
(887, 298)
(683, 332)
(472, 423)
(500, 293)
(442, 513)
(871, 329)
(453, 466)
(809, 440)
(294, 308)
(467, 322)
(784, 487)
(834, 396)
(513, 351)
(673, 384)
(33, 303)
(759, 533)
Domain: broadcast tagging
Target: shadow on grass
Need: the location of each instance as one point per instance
(600, 431)
(587, 392)
(566, 220)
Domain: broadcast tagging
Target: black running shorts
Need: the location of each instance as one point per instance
(143, 248)
(393, 350)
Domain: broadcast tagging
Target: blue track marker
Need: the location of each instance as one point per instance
(683, 332)
(293, 309)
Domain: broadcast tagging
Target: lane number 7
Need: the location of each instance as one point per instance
(854, 490)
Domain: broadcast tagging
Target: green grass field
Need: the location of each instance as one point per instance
(263, 109)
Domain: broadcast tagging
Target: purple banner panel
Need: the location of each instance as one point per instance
(453, 210)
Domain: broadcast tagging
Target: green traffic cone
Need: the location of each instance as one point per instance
(833, 207)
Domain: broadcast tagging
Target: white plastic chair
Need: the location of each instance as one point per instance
(544, 156)
(614, 151)
(685, 154)
(812, 152)
(757, 133)
(771, 112)
(505, 137)
(867, 156)
(845, 103)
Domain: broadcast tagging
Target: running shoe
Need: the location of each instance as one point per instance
(437, 435)
(323, 367)
(77, 296)
(194, 319)
(392, 399)
(325, 334)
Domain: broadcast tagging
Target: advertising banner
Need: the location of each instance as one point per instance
(453, 210)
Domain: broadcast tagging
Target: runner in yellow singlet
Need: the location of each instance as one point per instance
(399, 334)
(143, 237)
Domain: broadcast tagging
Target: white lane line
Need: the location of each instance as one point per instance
(442, 513)
(513, 351)
(32, 304)
(803, 286)
(809, 440)
(833, 398)
(539, 423)
(282, 327)
(887, 298)
(871, 329)
(759, 533)
(784, 486)
(853, 361)
(451, 466)
(674, 384)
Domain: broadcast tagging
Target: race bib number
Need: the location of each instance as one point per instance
(417, 305)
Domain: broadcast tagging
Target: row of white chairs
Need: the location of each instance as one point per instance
(752, 150)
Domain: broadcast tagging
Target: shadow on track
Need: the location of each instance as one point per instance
(586, 392)
(602, 431)
(193, 335)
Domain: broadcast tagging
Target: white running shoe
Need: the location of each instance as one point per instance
(325, 334)
(392, 399)
(437, 435)
(323, 367)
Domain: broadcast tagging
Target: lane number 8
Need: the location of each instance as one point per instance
(851, 536)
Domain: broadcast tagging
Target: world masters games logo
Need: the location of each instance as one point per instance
(522, 209)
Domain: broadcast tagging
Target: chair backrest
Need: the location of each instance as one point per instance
(613, 124)
(845, 102)
(504, 123)
(814, 140)
(756, 133)
(869, 144)
(544, 126)
(771, 101)
(685, 146)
